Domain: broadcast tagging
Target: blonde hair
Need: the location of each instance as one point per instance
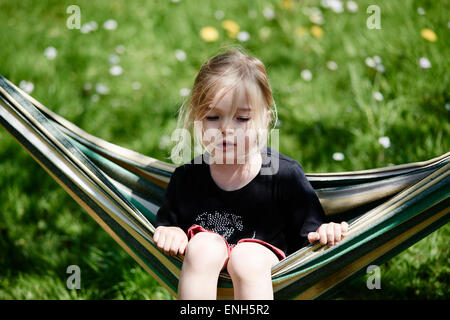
(231, 70)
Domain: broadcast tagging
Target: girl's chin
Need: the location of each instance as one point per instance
(228, 157)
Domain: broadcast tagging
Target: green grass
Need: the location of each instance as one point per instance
(43, 231)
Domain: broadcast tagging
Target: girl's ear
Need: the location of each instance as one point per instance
(268, 116)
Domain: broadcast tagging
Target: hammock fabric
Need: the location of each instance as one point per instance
(388, 209)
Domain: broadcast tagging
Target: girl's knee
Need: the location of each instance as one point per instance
(250, 261)
(206, 250)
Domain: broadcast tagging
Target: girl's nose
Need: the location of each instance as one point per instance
(226, 127)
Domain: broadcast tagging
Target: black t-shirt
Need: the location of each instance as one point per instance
(278, 206)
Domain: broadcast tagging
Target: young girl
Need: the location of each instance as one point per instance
(240, 206)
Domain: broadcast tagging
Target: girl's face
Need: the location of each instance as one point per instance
(229, 138)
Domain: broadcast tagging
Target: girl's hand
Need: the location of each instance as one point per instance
(171, 240)
(330, 233)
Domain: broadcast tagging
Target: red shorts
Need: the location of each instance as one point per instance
(194, 229)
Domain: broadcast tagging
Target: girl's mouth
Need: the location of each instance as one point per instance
(227, 144)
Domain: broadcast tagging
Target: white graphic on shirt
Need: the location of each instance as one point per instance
(223, 223)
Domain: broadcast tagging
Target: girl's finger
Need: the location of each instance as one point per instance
(344, 227)
(156, 234)
(323, 234)
(183, 246)
(175, 246)
(330, 234)
(313, 236)
(337, 233)
(161, 240)
(168, 243)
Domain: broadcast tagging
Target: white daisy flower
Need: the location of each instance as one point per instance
(352, 6)
(338, 156)
(87, 86)
(136, 85)
(311, 10)
(375, 62)
(120, 49)
(113, 59)
(370, 62)
(85, 29)
(26, 86)
(93, 25)
(421, 11)
(115, 70)
(180, 55)
(332, 65)
(380, 68)
(336, 5)
(306, 75)
(184, 92)
(377, 59)
(50, 53)
(219, 14)
(268, 13)
(324, 3)
(100, 88)
(264, 33)
(95, 97)
(385, 142)
(243, 36)
(378, 96)
(110, 24)
(88, 27)
(316, 18)
(424, 63)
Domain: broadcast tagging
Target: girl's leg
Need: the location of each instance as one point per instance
(206, 255)
(250, 267)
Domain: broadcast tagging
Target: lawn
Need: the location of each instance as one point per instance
(349, 97)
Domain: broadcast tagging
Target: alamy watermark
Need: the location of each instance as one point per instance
(374, 280)
(74, 20)
(374, 20)
(74, 280)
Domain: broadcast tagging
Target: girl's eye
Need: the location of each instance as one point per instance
(212, 118)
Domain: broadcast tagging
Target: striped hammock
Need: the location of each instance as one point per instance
(388, 209)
